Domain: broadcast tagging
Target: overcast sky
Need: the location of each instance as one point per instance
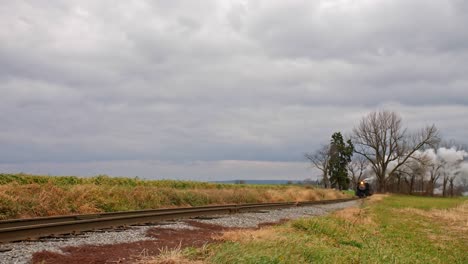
(214, 90)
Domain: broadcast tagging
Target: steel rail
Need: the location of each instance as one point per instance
(28, 229)
(67, 218)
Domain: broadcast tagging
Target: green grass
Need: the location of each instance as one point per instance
(394, 230)
(420, 202)
(350, 192)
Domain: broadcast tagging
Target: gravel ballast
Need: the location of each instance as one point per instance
(21, 252)
(253, 219)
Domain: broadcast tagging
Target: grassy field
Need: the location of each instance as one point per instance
(384, 229)
(24, 195)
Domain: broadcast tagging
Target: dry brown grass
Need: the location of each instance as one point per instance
(355, 215)
(454, 223)
(266, 233)
(455, 219)
(360, 216)
(299, 195)
(169, 256)
(33, 200)
(377, 198)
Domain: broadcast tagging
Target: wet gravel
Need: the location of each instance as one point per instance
(21, 252)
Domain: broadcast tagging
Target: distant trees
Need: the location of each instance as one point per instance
(451, 157)
(310, 181)
(413, 173)
(340, 157)
(393, 159)
(382, 140)
(440, 169)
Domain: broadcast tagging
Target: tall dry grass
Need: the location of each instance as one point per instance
(169, 256)
(48, 198)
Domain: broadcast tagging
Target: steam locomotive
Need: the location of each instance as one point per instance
(363, 189)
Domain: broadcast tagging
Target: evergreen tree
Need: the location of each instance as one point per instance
(340, 156)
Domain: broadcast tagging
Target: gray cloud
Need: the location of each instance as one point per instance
(181, 81)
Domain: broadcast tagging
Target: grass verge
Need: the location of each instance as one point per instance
(385, 229)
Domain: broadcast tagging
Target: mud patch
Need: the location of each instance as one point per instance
(166, 239)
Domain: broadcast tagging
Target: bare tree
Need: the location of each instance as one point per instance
(445, 180)
(424, 162)
(463, 180)
(356, 169)
(452, 174)
(381, 139)
(320, 160)
(435, 171)
(451, 169)
(448, 179)
(451, 180)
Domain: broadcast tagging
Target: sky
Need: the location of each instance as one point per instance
(218, 90)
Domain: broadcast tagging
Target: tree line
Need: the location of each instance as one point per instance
(397, 160)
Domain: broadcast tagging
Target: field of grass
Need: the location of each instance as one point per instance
(24, 195)
(384, 229)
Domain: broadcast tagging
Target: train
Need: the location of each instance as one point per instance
(363, 189)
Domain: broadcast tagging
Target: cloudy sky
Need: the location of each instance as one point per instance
(215, 90)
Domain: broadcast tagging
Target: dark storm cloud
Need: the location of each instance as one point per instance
(178, 81)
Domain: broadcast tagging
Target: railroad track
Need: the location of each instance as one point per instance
(33, 228)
